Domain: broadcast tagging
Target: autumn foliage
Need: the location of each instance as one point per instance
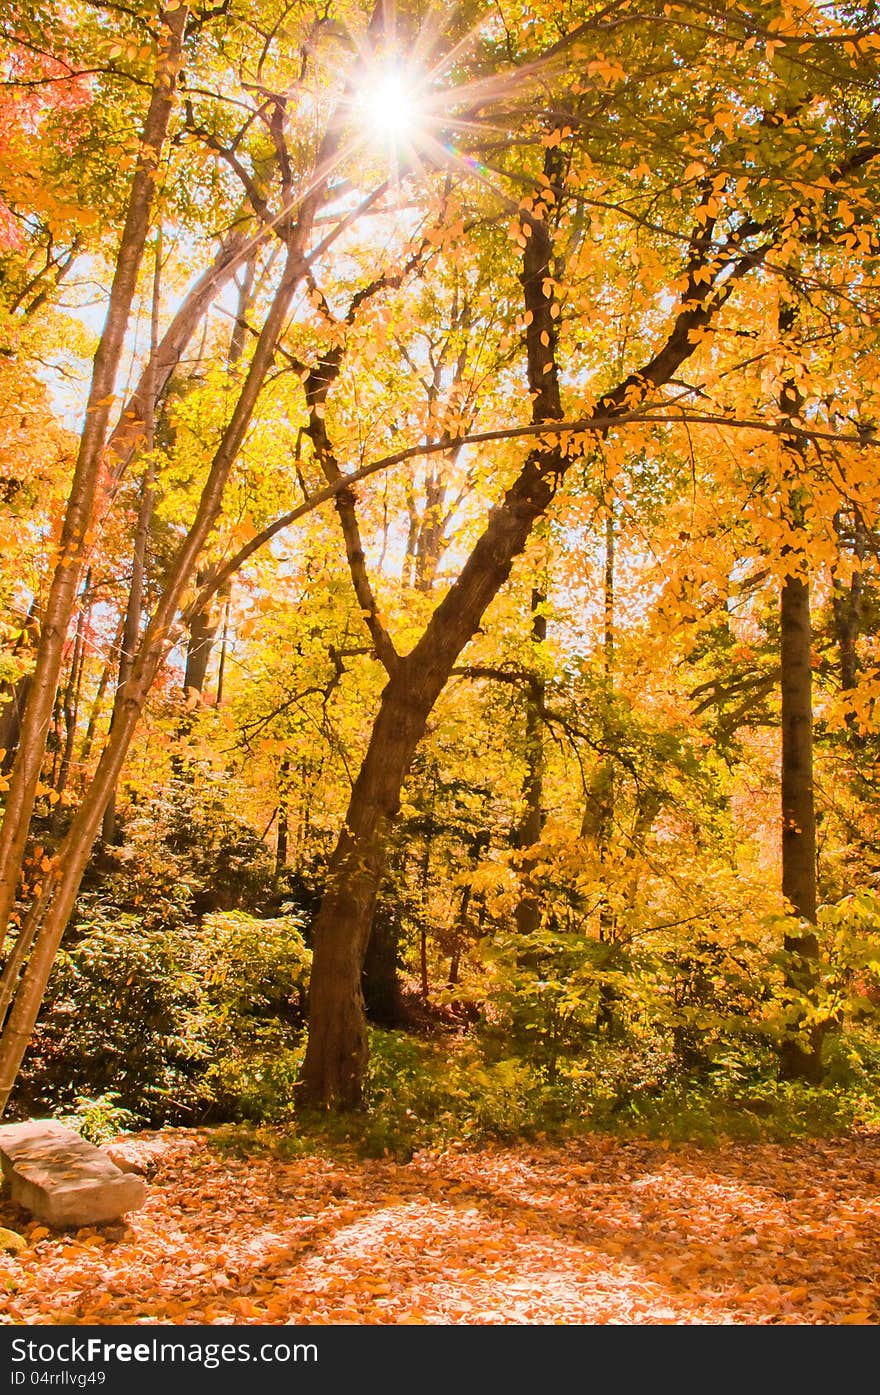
(439, 602)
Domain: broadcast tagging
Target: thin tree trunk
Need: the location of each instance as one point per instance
(224, 594)
(245, 300)
(283, 813)
(15, 695)
(103, 683)
(70, 703)
(528, 910)
(848, 606)
(424, 895)
(479, 844)
(599, 810)
(205, 622)
(799, 1060)
(81, 501)
(135, 607)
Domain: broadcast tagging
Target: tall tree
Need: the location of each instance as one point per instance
(81, 501)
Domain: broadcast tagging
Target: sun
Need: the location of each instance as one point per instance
(390, 106)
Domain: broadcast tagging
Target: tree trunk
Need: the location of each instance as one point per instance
(380, 983)
(528, 910)
(128, 433)
(131, 628)
(336, 1054)
(50, 911)
(103, 683)
(202, 633)
(81, 501)
(848, 603)
(798, 1059)
(478, 846)
(599, 806)
(206, 622)
(225, 595)
(71, 700)
(283, 815)
(15, 695)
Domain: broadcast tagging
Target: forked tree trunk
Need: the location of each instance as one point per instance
(81, 501)
(336, 1055)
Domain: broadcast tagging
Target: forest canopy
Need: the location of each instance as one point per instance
(439, 520)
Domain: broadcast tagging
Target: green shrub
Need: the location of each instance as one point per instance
(99, 1119)
(175, 1023)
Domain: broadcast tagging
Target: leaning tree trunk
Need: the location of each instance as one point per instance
(47, 918)
(50, 911)
(81, 501)
(128, 433)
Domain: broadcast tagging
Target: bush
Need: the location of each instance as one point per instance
(174, 1022)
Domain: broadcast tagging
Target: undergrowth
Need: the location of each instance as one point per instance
(433, 1095)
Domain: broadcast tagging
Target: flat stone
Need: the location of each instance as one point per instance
(140, 1155)
(61, 1178)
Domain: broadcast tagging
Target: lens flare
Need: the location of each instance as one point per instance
(389, 105)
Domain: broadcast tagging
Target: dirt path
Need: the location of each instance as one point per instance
(597, 1232)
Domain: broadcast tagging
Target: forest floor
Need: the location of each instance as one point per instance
(597, 1231)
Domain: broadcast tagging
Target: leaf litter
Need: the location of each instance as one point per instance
(593, 1232)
